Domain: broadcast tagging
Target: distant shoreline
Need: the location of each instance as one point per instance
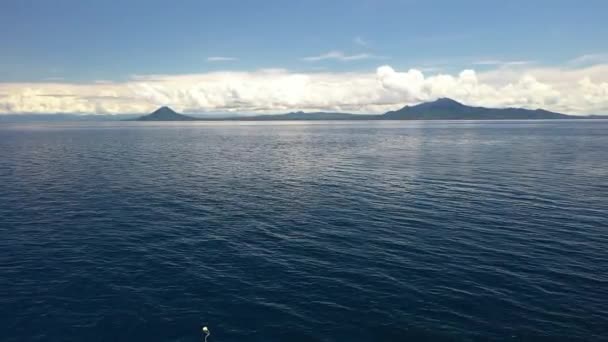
(48, 118)
(441, 109)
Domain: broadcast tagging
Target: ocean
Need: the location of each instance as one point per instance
(304, 231)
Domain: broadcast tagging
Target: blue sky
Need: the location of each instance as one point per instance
(84, 40)
(205, 55)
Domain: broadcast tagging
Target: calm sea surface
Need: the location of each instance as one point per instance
(309, 231)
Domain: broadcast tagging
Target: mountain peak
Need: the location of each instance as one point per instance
(165, 113)
(447, 100)
(164, 109)
(442, 102)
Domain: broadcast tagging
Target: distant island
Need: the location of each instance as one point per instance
(165, 114)
(448, 109)
(441, 109)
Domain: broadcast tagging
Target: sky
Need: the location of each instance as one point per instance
(111, 57)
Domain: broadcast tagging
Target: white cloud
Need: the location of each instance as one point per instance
(340, 56)
(495, 62)
(221, 59)
(568, 90)
(590, 59)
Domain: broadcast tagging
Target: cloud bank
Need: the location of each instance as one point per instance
(567, 90)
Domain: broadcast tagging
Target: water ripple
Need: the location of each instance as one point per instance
(362, 231)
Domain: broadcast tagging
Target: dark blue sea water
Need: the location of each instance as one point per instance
(310, 231)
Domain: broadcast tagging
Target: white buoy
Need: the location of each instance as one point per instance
(206, 332)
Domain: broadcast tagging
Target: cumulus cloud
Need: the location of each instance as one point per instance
(568, 90)
(340, 56)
